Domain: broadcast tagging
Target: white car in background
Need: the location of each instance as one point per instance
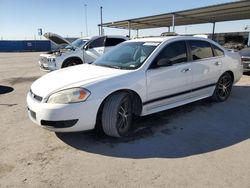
(138, 77)
(83, 50)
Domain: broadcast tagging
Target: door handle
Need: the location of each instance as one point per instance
(217, 63)
(186, 70)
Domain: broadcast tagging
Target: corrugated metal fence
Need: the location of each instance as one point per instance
(24, 46)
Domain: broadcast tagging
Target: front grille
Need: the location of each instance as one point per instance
(36, 97)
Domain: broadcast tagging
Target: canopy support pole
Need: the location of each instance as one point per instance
(173, 22)
(129, 28)
(213, 31)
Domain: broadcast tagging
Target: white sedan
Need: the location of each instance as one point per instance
(138, 77)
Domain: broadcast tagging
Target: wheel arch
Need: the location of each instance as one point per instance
(136, 101)
(72, 58)
(231, 74)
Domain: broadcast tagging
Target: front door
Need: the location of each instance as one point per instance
(169, 78)
(94, 50)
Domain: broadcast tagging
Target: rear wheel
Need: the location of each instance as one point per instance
(117, 114)
(223, 88)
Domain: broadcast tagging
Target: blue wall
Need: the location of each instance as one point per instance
(24, 46)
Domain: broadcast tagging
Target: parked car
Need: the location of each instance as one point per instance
(245, 58)
(138, 77)
(83, 50)
(234, 45)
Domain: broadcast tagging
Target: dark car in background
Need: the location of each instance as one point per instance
(245, 57)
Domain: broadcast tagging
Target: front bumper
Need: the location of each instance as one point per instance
(81, 116)
(50, 66)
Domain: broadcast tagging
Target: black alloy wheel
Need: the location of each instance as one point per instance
(223, 88)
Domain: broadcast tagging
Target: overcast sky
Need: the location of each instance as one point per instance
(20, 19)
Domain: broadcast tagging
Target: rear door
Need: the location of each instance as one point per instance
(206, 67)
(111, 42)
(169, 83)
(94, 49)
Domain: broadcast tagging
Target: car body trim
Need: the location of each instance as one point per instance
(177, 94)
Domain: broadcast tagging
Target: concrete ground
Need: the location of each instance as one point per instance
(201, 144)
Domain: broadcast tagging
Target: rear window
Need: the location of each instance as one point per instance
(113, 41)
(200, 49)
(217, 51)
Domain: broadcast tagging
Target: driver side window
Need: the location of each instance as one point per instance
(173, 53)
(99, 42)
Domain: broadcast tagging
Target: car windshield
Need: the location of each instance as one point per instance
(128, 55)
(78, 43)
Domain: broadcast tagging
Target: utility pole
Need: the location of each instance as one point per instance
(247, 28)
(86, 20)
(101, 20)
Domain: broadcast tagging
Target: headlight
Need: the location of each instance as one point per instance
(69, 96)
(58, 53)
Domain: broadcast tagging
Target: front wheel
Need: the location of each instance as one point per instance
(223, 88)
(117, 115)
(70, 62)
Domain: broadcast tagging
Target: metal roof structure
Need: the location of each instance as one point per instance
(237, 10)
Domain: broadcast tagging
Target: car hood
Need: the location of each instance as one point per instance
(57, 39)
(75, 76)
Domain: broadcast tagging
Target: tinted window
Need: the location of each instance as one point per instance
(99, 42)
(77, 43)
(173, 53)
(217, 51)
(200, 49)
(113, 41)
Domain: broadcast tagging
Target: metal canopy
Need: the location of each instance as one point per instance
(238, 10)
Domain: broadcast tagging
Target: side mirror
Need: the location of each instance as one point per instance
(164, 62)
(86, 47)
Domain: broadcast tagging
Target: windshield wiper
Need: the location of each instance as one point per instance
(109, 66)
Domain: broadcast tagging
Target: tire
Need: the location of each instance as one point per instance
(70, 62)
(117, 115)
(223, 88)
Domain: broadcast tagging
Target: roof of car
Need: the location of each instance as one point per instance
(153, 39)
(165, 38)
(109, 36)
(245, 52)
(85, 38)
